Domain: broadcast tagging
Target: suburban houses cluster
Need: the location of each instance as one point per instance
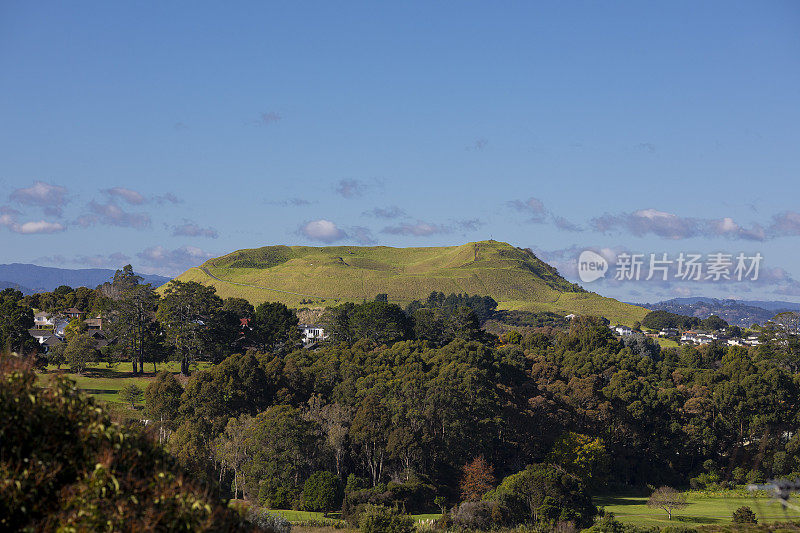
(692, 336)
(50, 328)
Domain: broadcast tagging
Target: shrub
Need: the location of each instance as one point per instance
(268, 522)
(322, 492)
(481, 515)
(744, 515)
(545, 494)
(380, 519)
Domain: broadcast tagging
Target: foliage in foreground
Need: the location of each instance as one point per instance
(87, 473)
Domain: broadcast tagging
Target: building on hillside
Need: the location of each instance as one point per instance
(697, 337)
(623, 330)
(47, 339)
(73, 313)
(312, 333)
(669, 332)
(94, 324)
(752, 340)
(42, 320)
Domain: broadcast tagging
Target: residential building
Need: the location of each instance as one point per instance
(312, 333)
(42, 320)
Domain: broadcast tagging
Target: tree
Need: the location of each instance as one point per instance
(370, 430)
(441, 503)
(132, 317)
(581, 455)
(81, 350)
(323, 492)
(667, 499)
(546, 494)
(162, 399)
(15, 320)
(131, 394)
(183, 312)
(379, 322)
(283, 448)
(231, 450)
(744, 515)
(476, 480)
(275, 327)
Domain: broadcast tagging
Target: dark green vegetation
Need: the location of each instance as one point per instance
(558, 416)
(86, 473)
(323, 276)
(418, 409)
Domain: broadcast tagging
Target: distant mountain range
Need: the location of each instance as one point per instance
(33, 278)
(736, 312)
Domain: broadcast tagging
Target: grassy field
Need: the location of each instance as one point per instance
(701, 510)
(330, 275)
(104, 383)
(667, 343)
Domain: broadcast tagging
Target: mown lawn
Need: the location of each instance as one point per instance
(305, 516)
(715, 509)
(104, 382)
(667, 343)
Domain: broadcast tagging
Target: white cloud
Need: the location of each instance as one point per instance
(322, 230)
(672, 226)
(51, 198)
(128, 195)
(8, 219)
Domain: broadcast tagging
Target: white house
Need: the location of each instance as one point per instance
(668, 332)
(623, 330)
(312, 333)
(42, 320)
(697, 337)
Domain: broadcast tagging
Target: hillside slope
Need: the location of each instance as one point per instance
(295, 275)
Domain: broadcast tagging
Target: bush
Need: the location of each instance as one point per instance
(744, 515)
(380, 519)
(545, 494)
(268, 522)
(481, 515)
(322, 492)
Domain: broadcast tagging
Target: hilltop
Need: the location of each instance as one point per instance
(305, 275)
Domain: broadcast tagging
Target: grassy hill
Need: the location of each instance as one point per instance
(295, 275)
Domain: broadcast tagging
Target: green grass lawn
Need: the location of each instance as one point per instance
(667, 343)
(701, 510)
(305, 516)
(104, 382)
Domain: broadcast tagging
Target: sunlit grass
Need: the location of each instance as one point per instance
(714, 509)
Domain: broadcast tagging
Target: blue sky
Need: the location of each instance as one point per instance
(167, 133)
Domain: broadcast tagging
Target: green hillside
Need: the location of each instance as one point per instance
(294, 275)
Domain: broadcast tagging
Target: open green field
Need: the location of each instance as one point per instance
(306, 516)
(326, 276)
(667, 343)
(104, 382)
(702, 510)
